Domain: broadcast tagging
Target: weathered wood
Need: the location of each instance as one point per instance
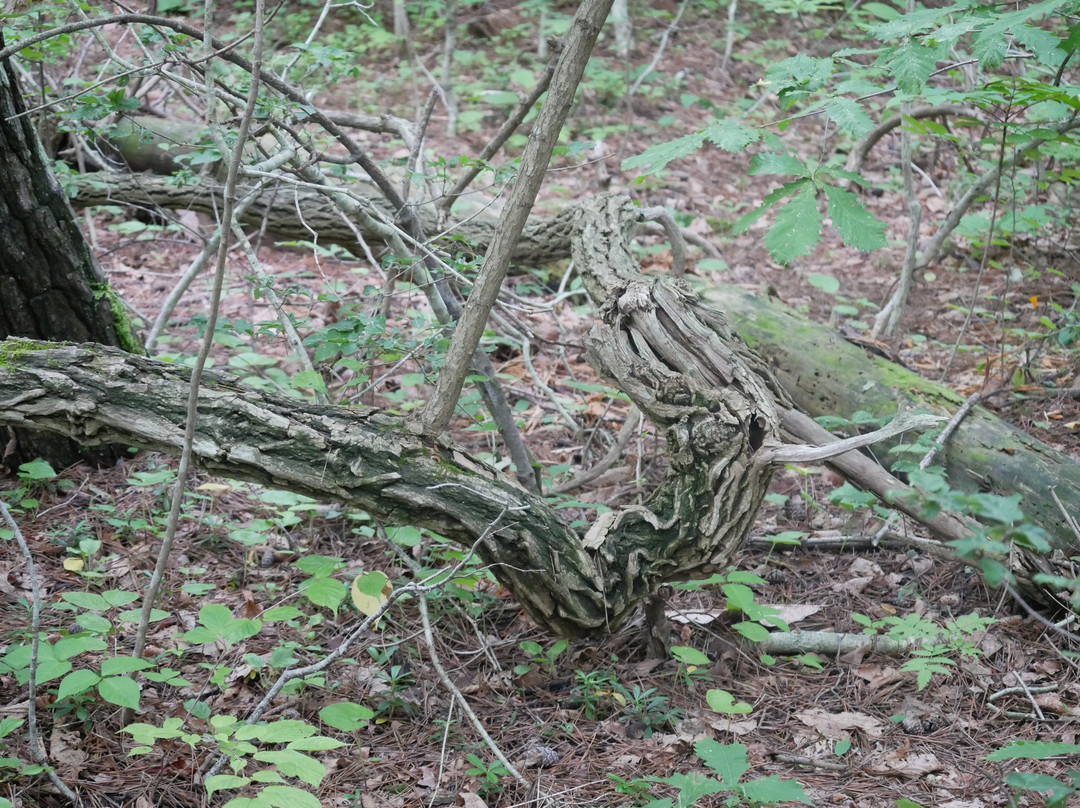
(677, 360)
(827, 375)
(293, 213)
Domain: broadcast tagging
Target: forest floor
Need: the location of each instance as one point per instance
(853, 730)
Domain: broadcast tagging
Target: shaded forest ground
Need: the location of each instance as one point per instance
(926, 746)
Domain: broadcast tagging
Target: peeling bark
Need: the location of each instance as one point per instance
(678, 360)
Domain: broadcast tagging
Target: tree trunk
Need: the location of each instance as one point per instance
(827, 375)
(50, 286)
(293, 213)
(677, 360)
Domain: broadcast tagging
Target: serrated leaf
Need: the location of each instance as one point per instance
(346, 716)
(120, 690)
(654, 158)
(729, 761)
(773, 163)
(770, 199)
(369, 591)
(797, 228)
(76, 682)
(850, 116)
(911, 65)
(730, 135)
(857, 227)
(909, 24)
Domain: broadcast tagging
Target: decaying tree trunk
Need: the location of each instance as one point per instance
(295, 213)
(50, 285)
(677, 360)
(827, 375)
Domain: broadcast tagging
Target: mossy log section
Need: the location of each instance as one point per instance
(676, 359)
(827, 375)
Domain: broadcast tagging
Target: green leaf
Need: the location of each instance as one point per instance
(730, 135)
(689, 656)
(87, 600)
(857, 227)
(770, 790)
(294, 764)
(309, 380)
(284, 731)
(346, 716)
(77, 682)
(755, 632)
(120, 690)
(94, 623)
(316, 743)
(118, 597)
(1033, 750)
(220, 781)
(773, 163)
(326, 592)
(911, 65)
(281, 613)
(124, 664)
(288, 797)
(850, 116)
(319, 566)
(68, 647)
(729, 761)
(770, 199)
(826, 283)
(654, 158)
(797, 228)
(720, 701)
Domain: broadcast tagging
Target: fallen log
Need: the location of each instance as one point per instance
(826, 375)
(295, 213)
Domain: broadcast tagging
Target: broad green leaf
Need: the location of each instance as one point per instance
(294, 764)
(857, 227)
(215, 617)
(120, 690)
(316, 743)
(689, 656)
(68, 647)
(755, 632)
(797, 228)
(284, 731)
(289, 797)
(87, 600)
(77, 682)
(124, 664)
(346, 716)
(692, 786)
(720, 701)
(770, 790)
(309, 380)
(94, 623)
(1033, 750)
(281, 613)
(9, 725)
(826, 283)
(729, 761)
(914, 23)
(319, 566)
(118, 597)
(219, 781)
(326, 592)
